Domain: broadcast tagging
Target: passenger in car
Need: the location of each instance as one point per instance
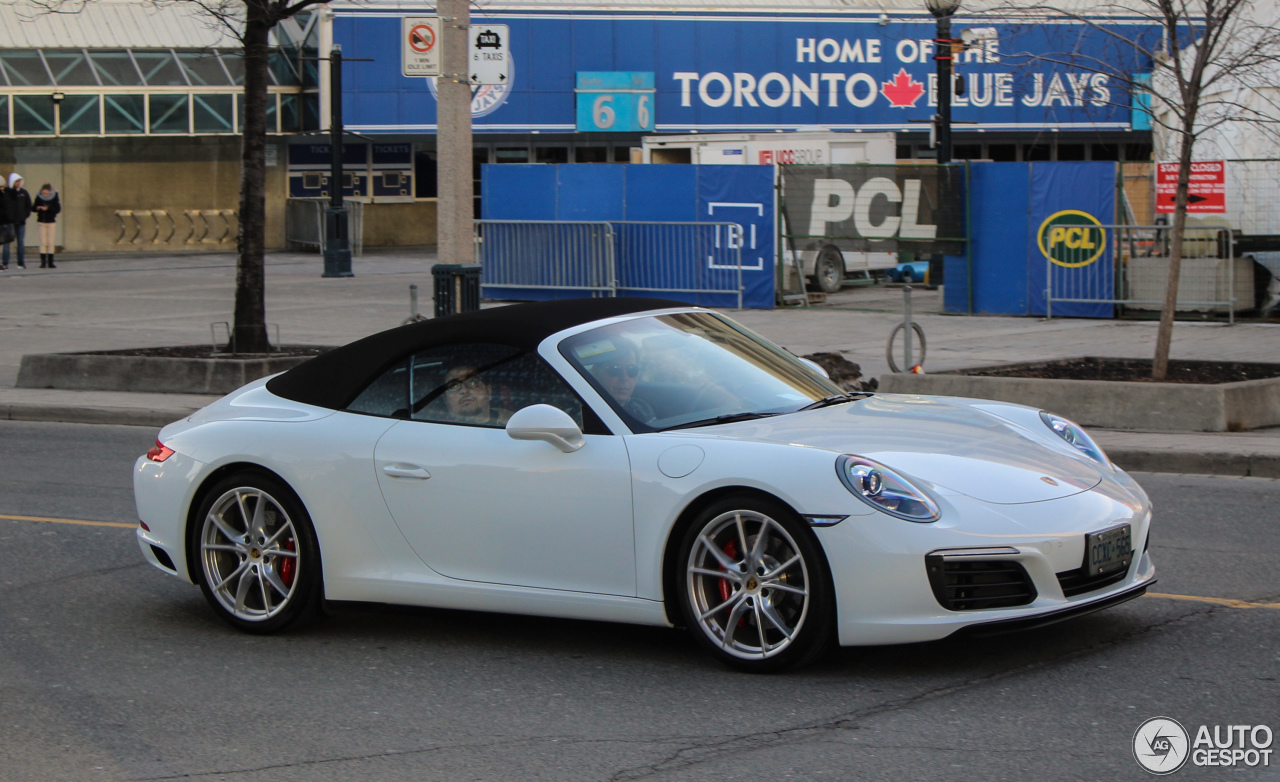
(618, 371)
(467, 396)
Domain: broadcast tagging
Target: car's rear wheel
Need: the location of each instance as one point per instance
(755, 590)
(257, 558)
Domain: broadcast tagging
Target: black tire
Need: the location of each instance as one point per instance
(254, 553)
(828, 270)
(793, 603)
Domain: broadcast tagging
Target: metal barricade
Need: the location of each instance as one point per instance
(304, 224)
(1128, 266)
(671, 257)
(533, 254)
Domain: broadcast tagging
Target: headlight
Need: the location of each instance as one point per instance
(886, 490)
(1074, 435)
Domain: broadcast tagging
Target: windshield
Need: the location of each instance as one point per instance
(695, 368)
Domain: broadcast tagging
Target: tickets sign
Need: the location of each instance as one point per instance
(1206, 187)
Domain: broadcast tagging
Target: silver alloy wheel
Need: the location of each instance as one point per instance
(249, 550)
(748, 584)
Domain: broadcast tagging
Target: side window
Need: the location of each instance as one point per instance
(483, 385)
(386, 396)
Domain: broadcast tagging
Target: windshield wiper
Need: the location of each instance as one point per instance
(728, 418)
(836, 399)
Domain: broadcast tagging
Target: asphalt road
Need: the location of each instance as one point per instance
(110, 670)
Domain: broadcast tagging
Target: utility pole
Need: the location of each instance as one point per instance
(455, 215)
(337, 248)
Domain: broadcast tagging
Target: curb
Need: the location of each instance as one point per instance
(114, 416)
(1235, 464)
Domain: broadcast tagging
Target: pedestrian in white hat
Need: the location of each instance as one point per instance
(17, 203)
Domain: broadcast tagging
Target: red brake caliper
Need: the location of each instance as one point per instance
(289, 566)
(726, 589)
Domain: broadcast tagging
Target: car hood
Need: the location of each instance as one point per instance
(942, 442)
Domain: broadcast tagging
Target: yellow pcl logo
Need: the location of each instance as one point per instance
(1072, 238)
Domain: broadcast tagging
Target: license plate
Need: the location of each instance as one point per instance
(1108, 551)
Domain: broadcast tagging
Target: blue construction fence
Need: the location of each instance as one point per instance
(646, 193)
(1013, 210)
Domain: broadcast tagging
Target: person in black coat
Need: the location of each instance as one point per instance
(47, 207)
(17, 203)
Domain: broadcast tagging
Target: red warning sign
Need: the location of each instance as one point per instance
(1206, 187)
(422, 38)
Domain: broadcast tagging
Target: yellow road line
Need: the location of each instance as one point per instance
(70, 521)
(1222, 601)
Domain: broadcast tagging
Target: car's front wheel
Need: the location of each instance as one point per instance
(828, 270)
(755, 590)
(258, 562)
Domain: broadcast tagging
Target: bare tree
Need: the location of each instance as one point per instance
(1214, 62)
(251, 23)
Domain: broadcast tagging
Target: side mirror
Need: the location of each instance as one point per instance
(815, 366)
(546, 423)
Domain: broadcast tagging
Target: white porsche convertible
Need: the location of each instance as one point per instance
(638, 461)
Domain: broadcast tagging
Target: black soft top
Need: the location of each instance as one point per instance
(334, 379)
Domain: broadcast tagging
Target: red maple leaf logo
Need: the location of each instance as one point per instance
(903, 91)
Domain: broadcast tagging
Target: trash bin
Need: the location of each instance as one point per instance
(457, 288)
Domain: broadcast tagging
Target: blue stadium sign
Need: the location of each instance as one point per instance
(615, 102)
(741, 71)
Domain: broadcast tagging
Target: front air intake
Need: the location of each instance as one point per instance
(973, 584)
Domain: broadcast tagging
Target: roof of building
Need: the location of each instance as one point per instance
(117, 24)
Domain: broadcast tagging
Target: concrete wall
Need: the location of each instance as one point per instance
(95, 177)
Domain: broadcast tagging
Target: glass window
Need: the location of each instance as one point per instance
(235, 66)
(271, 112)
(79, 114)
(24, 68)
(70, 68)
(387, 396)
(32, 115)
(159, 68)
(474, 385)
(1070, 151)
(284, 70)
(212, 113)
(511, 155)
(203, 68)
(124, 113)
(4, 115)
(169, 114)
(289, 119)
(551, 155)
(692, 369)
(311, 111)
(622, 154)
(1002, 153)
(591, 154)
(115, 68)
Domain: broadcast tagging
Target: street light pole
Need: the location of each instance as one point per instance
(942, 11)
(337, 247)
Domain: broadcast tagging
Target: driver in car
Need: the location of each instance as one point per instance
(618, 371)
(467, 397)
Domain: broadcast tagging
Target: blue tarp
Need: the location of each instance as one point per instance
(1009, 203)
(647, 193)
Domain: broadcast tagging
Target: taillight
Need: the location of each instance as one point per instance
(144, 526)
(159, 452)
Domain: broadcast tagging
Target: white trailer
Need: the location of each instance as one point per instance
(825, 263)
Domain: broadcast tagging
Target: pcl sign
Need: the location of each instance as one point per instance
(420, 46)
(1206, 187)
(1072, 239)
(836, 201)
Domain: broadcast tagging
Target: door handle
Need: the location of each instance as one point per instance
(405, 471)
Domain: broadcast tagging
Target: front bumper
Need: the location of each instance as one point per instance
(883, 591)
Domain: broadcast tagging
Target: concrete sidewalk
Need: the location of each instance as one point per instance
(152, 300)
